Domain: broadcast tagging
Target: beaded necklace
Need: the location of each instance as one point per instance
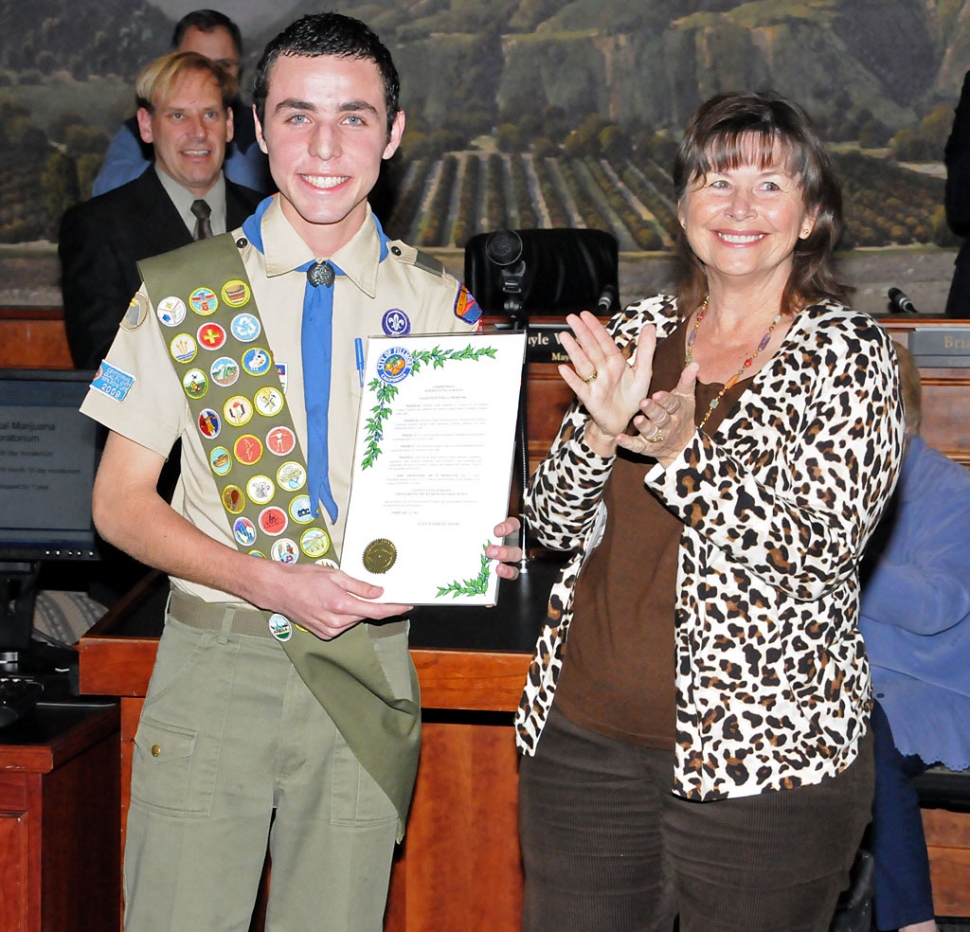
(731, 382)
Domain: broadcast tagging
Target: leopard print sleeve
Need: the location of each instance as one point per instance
(564, 509)
(800, 474)
(563, 500)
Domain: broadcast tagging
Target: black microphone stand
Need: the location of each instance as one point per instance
(504, 249)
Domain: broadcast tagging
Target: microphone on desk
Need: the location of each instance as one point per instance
(503, 247)
(607, 301)
(899, 302)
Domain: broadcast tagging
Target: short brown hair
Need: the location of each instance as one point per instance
(158, 79)
(716, 139)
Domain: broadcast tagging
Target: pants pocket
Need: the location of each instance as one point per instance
(162, 771)
(356, 798)
(180, 735)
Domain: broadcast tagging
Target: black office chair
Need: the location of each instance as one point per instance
(558, 271)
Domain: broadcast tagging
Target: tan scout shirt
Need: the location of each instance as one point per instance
(155, 412)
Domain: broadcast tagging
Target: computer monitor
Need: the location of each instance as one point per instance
(48, 458)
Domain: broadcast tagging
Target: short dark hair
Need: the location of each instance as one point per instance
(719, 136)
(318, 34)
(206, 21)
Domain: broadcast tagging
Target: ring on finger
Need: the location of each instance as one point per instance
(657, 437)
(590, 378)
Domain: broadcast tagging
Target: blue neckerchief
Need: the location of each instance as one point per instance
(316, 341)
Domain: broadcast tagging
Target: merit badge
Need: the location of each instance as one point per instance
(245, 327)
(257, 553)
(273, 520)
(183, 347)
(330, 564)
(238, 410)
(212, 336)
(136, 314)
(220, 461)
(466, 307)
(301, 511)
(171, 311)
(394, 365)
(281, 372)
(396, 323)
(268, 400)
(224, 371)
(280, 627)
(291, 476)
(314, 542)
(210, 424)
(280, 440)
(260, 489)
(244, 531)
(256, 361)
(236, 293)
(195, 383)
(112, 381)
(203, 301)
(248, 449)
(232, 499)
(379, 556)
(284, 551)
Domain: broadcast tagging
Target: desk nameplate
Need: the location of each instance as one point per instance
(941, 347)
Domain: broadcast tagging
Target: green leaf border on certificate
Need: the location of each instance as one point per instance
(470, 587)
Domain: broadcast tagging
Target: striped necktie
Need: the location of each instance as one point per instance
(201, 210)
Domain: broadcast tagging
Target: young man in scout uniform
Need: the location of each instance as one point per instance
(260, 721)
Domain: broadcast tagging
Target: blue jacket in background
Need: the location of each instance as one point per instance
(915, 611)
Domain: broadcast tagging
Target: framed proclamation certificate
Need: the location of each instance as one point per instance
(433, 465)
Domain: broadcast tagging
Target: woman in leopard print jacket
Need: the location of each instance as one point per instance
(729, 453)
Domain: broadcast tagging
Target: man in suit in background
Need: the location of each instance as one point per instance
(184, 111)
(956, 156)
(216, 36)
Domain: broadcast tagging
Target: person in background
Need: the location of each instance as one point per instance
(956, 157)
(184, 111)
(216, 36)
(915, 618)
(730, 450)
(283, 706)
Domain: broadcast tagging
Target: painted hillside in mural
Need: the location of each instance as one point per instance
(528, 113)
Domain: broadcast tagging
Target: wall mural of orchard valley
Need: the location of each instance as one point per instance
(531, 113)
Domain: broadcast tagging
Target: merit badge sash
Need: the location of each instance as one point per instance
(210, 322)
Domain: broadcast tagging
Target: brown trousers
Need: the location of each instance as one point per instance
(607, 846)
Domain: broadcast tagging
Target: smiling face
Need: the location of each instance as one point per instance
(744, 222)
(325, 132)
(189, 130)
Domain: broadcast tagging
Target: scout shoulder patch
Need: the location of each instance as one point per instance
(136, 314)
(412, 256)
(112, 381)
(466, 307)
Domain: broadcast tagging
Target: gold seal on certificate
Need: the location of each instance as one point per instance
(379, 555)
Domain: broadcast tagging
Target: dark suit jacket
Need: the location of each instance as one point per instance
(100, 244)
(957, 158)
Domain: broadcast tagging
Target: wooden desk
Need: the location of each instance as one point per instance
(59, 850)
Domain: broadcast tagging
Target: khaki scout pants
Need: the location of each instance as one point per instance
(232, 750)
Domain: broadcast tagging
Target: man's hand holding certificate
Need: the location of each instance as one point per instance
(432, 465)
